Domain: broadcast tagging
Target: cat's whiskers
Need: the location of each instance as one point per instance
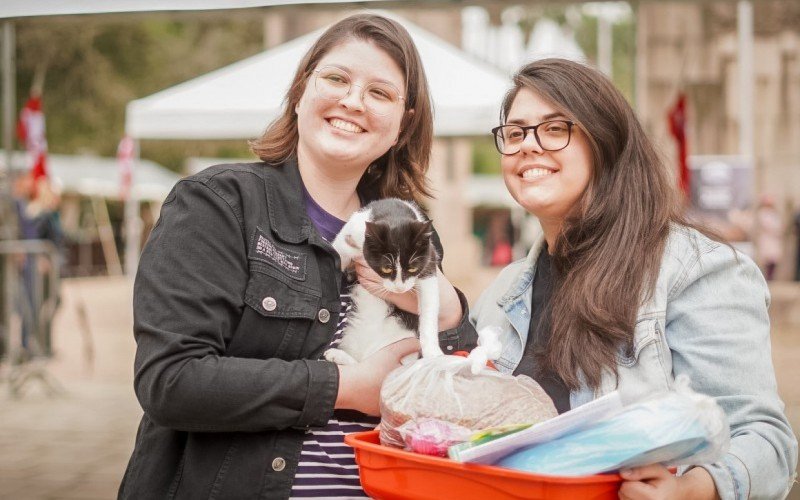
(377, 290)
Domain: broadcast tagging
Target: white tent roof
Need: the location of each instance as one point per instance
(28, 8)
(99, 176)
(548, 39)
(238, 101)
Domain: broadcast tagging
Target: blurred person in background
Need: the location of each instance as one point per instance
(621, 292)
(498, 240)
(37, 202)
(239, 291)
(769, 236)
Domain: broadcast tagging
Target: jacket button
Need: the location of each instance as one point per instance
(278, 464)
(449, 348)
(324, 315)
(269, 303)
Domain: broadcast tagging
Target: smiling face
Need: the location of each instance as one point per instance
(546, 183)
(342, 133)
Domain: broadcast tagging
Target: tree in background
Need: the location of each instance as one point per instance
(94, 66)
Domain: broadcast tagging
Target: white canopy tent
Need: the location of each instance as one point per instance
(96, 176)
(238, 101)
(27, 8)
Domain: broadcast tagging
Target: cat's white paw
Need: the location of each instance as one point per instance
(431, 351)
(345, 254)
(339, 357)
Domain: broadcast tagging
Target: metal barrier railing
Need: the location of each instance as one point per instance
(30, 297)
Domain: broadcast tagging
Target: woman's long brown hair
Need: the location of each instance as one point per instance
(400, 172)
(610, 246)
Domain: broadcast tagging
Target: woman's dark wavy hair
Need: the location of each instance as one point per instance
(400, 172)
(610, 246)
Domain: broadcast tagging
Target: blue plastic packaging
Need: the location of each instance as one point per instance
(676, 428)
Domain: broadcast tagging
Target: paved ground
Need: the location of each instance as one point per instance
(76, 446)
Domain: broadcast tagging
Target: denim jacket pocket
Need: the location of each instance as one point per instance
(644, 369)
(644, 336)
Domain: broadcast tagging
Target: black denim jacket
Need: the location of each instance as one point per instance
(235, 300)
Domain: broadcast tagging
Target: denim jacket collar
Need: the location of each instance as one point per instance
(516, 303)
(524, 280)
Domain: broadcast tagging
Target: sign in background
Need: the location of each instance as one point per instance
(720, 184)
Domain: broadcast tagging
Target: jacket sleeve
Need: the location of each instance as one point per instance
(717, 328)
(463, 336)
(188, 299)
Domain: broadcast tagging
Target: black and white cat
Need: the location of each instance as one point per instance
(395, 240)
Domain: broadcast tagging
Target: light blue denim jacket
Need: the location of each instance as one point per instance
(707, 318)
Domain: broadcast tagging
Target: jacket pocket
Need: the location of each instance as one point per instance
(642, 371)
(644, 337)
(276, 296)
(280, 314)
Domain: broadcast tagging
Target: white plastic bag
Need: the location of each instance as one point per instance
(444, 388)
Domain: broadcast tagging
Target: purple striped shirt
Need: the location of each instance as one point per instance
(327, 467)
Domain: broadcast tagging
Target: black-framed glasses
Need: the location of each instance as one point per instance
(334, 83)
(552, 135)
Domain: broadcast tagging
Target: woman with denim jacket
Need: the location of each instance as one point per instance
(621, 291)
(239, 291)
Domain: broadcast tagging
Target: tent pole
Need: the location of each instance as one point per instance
(106, 233)
(746, 79)
(133, 223)
(605, 42)
(8, 222)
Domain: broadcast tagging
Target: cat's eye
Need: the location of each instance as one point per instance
(412, 269)
(386, 270)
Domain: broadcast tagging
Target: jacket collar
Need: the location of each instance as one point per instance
(287, 213)
(522, 282)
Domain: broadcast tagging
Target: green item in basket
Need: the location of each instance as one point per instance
(486, 435)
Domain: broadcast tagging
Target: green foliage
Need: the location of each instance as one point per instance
(623, 50)
(485, 158)
(584, 28)
(94, 66)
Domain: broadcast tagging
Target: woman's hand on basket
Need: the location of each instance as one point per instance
(656, 482)
(360, 384)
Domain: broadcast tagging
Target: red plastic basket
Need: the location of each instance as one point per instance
(393, 474)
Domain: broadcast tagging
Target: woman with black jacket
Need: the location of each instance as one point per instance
(239, 291)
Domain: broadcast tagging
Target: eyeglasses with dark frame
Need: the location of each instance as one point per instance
(551, 135)
(334, 83)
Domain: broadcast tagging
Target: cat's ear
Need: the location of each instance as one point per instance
(375, 230)
(425, 229)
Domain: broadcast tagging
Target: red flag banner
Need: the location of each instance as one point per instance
(677, 128)
(31, 132)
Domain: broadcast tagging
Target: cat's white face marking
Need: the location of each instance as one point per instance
(397, 285)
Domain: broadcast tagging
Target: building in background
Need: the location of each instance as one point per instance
(693, 47)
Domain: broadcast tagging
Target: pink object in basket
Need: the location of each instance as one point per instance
(430, 436)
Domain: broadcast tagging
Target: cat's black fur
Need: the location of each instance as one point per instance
(396, 230)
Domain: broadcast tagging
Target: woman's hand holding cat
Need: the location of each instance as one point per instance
(360, 384)
(450, 311)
